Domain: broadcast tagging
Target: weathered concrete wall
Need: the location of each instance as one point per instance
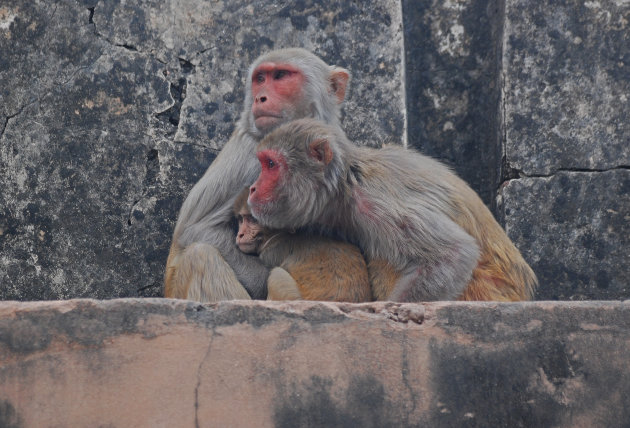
(566, 67)
(529, 102)
(111, 110)
(148, 363)
(453, 52)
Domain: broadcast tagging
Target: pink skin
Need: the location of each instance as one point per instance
(276, 89)
(273, 165)
(248, 237)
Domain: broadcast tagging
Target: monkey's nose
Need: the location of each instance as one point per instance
(252, 190)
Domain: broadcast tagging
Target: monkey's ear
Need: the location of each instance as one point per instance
(339, 82)
(320, 151)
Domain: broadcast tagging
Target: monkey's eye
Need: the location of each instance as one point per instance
(252, 220)
(270, 164)
(259, 77)
(279, 74)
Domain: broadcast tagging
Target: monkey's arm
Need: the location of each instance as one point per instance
(443, 266)
(211, 198)
(249, 270)
(206, 214)
(282, 286)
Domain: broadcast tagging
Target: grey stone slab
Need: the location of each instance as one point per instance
(31, 32)
(218, 40)
(574, 229)
(111, 110)
(304, 364)
(567, 85)
(85, 206)
(453, 86)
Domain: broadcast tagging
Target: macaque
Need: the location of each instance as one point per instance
(307, 267)
(203, 263)
(425, 234)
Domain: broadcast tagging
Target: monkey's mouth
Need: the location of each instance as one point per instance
(248, 248)
(265, 120)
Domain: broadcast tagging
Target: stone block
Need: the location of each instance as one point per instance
(573, 228)
(111, 111)
(566, 68)
(215, 42)
(453, 86)
(567, 85)
(155, 362)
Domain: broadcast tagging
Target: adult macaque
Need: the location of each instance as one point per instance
(307, 267)
(203, 263)
(424, 232)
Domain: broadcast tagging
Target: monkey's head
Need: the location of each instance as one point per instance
(289, 84)
(302, 166)
(251, 234)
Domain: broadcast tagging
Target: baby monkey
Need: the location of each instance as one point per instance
(305, 267)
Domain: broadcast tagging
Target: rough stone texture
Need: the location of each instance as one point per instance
(566, 68)
(156, 362)
(218, 40)
(530, 89)
(581, 246)
(567, 85)
(78, 162)
(453, 86)
(111, 110)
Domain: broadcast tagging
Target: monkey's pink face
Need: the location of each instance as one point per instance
(248, 237)
(264, 193)
(277, 92)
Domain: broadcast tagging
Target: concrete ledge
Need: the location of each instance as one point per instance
(158, 362)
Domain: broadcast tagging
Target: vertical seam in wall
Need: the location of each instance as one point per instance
(502, 132)
(502, 76)
(404, 74)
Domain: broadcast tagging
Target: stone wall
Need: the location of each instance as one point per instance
(529, 102)
(111, 110)
(158, 362)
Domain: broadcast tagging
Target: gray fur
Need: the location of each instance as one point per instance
(205, 216)
(394, 203)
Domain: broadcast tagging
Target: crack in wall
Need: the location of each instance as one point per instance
(178, 92)
(516, 174)
(151, 173)
(127, 46)
(147, 287)
(133, 48)
(198, 385)
(405, 376)
(5, 122)
(19, 111)
(38, 98)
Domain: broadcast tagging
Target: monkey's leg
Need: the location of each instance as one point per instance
(209, 277)
(418, 283)
(383, 277)
(172, 288)
(489, 285)
(282, 286)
